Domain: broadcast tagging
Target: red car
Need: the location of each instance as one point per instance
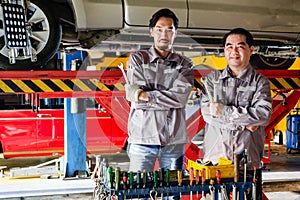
(24, 132)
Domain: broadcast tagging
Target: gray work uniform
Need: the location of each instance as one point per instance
(168, 83)
(247, 101)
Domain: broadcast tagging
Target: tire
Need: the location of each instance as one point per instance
(43, 21)
(262, 62)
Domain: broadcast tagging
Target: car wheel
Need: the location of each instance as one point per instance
(45, 38)
(263, 62)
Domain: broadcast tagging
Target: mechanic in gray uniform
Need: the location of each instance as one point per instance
(236, 105)
(160, 83)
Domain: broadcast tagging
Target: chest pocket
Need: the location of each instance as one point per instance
(160, 76)
(245, 95)
(170, 75)
(149, 74)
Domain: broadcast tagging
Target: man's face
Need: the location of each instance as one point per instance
(163, 33)
(237, 51)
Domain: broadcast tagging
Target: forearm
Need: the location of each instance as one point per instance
(247, 116)
(162, 100)
(219, 122)
(173, 97)
(257, 112)
(234, 118)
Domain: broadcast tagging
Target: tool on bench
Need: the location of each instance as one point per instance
(104, 168)
(212, 190)
(236, 167)
(203, 179)
(131, 179)
(145, 176)
(236, 161)
(245, 161)
(254, 184)
(117, 178)
(109, 176)
(224, 195)
(138, 179)
(220, 197)
(191, 182)
(218, 179)
(179, 177)
(153, 194)
(97, 170)
(161, 172)
(234, 192)
(197, 178)
(124, 179)
(167, 180)
(155, 179)
(245, 164)
(218, 176)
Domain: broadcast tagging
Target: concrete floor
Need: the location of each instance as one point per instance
(282, 161)
(283, 174)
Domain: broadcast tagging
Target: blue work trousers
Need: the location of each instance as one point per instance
(143, 157)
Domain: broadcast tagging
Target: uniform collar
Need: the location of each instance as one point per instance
(153, 56)
(245, 75)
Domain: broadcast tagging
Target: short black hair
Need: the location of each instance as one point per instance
(240, 31)
(165, 12)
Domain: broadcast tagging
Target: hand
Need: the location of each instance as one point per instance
(252, 128)
(216, 109)
(132, 92)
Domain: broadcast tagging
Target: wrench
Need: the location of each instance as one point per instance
(215, 92)
(121, 67)
(212, 192)
(214, 96)
(234, 192)
(224, 193)
(210, 96)
(254, 185)
(153, 194)
(245, 164)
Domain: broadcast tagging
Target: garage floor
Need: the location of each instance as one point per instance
(281, 180)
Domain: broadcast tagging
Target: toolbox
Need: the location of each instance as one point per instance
(227, 171)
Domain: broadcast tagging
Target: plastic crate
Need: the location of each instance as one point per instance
(227, 171)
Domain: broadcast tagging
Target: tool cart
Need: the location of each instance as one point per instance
(195, 182)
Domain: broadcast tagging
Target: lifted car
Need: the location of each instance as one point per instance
(122, 26)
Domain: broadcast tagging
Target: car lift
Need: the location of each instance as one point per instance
(106, 86)
(75, 126)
